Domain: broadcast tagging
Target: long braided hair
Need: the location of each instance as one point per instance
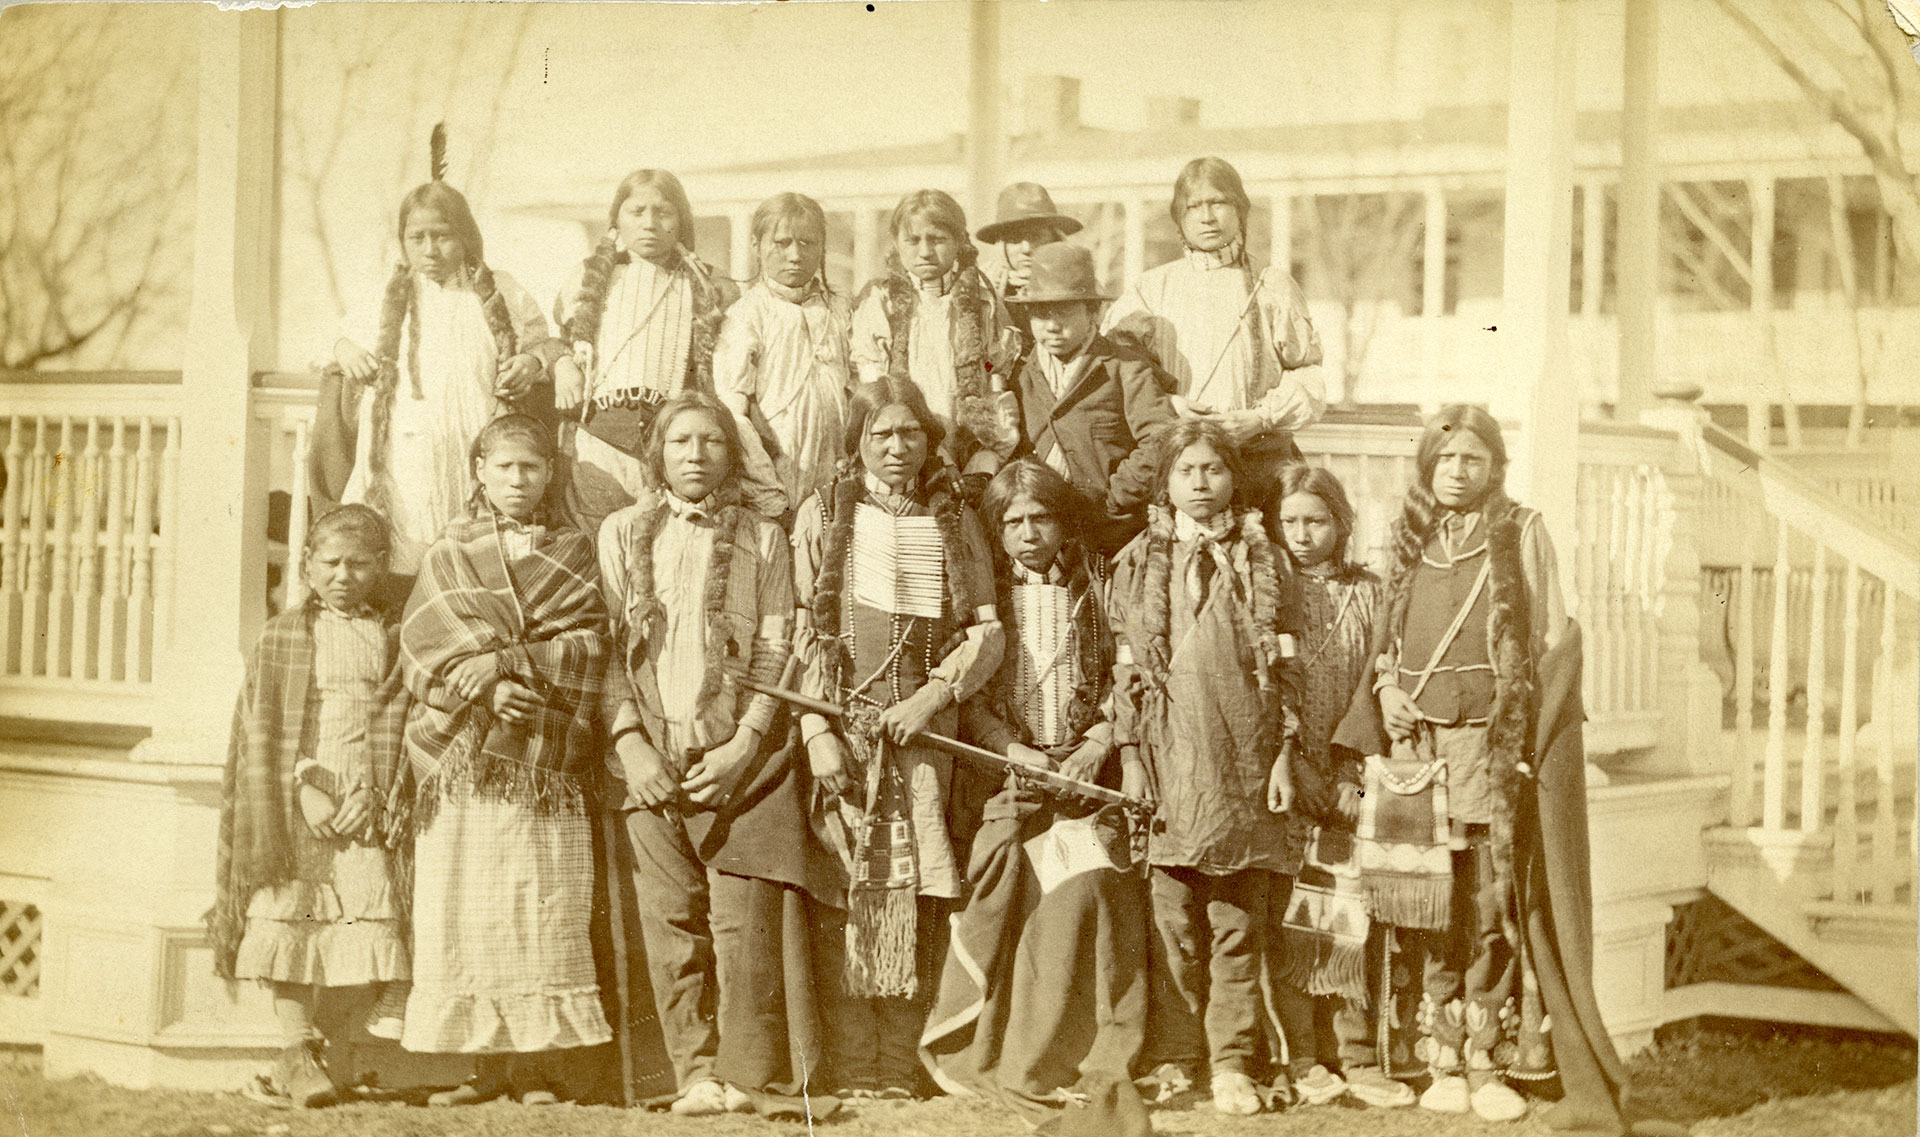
(400, 307)
(582, 330)
(971, 294)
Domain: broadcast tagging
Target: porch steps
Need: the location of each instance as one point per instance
(1867, 948)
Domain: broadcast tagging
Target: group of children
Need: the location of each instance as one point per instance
(953, 512)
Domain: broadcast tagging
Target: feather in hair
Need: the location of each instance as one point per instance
(437, 151)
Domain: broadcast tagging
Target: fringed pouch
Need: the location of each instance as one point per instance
(1325, 931)
(1402, 837)
(883, 894)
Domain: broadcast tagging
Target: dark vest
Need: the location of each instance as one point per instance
(1452, 695)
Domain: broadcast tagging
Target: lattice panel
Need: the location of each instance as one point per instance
(1710, 942)
(19, 949)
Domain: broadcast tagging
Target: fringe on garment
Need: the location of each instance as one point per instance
(1409, 901)
(882, 934)
(469, 771)
(1320, 966)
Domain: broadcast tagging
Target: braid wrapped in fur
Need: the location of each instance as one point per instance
(1154, 653)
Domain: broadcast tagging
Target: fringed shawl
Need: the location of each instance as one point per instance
(544, 616)
(259, 810)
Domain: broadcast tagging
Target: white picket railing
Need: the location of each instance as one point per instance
(1822, 611)
(87, 544)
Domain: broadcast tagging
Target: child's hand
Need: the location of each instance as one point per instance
(648, 777)
(717, 774)
(1134, 781)
(1350, 802)
(1085, 761)
(827, 756)
(355, 814)
(514, 701)
(473, 676)
(355, 362)
(1402, 715)
(317, 809)
(1028, 756)
(517, 376)
(569, 384)
(910, 716)
(1280, 782)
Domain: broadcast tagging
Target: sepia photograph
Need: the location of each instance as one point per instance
(951, 567)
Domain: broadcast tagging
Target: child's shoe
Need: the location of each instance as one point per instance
(1235, 1094)
(300, 1074)
(704, 1098)
(1497, 1101)
(1447, 1094)
(1167, 1081)
(1370, 1085)
(1318, 1086)
(739, 1100)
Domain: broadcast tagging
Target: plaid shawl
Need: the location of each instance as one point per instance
(272, 724)
(544, 616)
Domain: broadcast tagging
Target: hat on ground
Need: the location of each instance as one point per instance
(1060, 272)
(1023, 203)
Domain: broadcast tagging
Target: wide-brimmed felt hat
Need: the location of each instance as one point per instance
(1024, 203)
(1060, 272)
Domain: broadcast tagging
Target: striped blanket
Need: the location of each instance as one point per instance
(543, 616)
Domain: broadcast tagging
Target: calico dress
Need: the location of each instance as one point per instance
(781, 366)
(439, 406)
(338, 921)
(503, 888)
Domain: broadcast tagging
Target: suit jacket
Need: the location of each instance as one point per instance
(1103, 425)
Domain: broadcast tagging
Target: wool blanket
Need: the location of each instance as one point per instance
(1044, 993)
(259, 808)
(543, 615)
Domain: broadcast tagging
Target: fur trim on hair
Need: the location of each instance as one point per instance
(582, 330)
(1510, 649)
(972, 297)
(645, 606)
(1153, 652)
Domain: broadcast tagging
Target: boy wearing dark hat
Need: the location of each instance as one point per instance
(1024, 220)
(1087, 405)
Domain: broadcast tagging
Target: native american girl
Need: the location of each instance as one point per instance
(1329, 948)
(1472, 832)
(781, 364)
(452, 344)
(503, 647)
(312, 820)
(639, 318)
(1045, 988)
(935, 319)
(898, 626)
(715, 810)
(1205, 697)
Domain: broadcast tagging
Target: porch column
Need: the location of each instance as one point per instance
(984, 132)
(1637, 273)
(221, 499)
(740, 240)
(1538, 260)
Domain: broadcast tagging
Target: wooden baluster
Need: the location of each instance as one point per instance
(10, 547)
(33, 628)
(1740, 798)
(1812, 765)
(1846, 815)
(166, 559)
(1616, 591)
(1634, 562)
(1653, 581)
(297, 519)
(140, 586)
(60, 486)
(1887, 871)
(86, 587)
(113, 586)
(1773, 806)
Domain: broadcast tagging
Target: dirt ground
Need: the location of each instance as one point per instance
(1733, 1081)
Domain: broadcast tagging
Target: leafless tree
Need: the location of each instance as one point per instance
(92, 193)
(1362, 245)
(375, 57)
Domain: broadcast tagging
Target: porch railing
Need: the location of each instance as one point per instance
(87, 543)
(1823, 629)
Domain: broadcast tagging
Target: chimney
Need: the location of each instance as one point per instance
(1050, 104)
(1172, 112)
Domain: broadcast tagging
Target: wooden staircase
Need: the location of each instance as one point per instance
(1819, 848)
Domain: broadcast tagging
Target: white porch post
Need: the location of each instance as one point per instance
(128, 984)
(985, 135)
(1637, 273)
(740, 240)
(220, 588)
(1535, 292)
